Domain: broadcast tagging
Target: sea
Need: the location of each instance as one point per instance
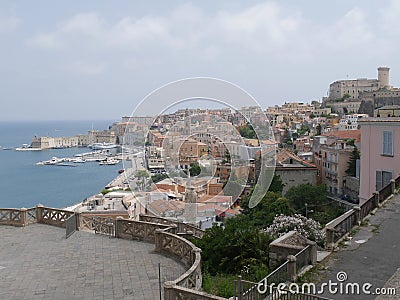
(25, 184)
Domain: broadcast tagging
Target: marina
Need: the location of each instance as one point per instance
(103, 157)
(25, 184)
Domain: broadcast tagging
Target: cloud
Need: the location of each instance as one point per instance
(84, 67)
(9, 23)
(268, 30)
(45, 41)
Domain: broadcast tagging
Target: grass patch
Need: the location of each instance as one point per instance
(375, 228)
(311, 275)
(221, 284)
(354, 231)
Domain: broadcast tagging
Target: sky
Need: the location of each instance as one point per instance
(89, 60)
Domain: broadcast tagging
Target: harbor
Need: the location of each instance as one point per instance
(103, 157)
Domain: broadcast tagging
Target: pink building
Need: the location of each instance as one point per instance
(380, 154)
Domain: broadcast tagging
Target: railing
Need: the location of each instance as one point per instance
(182, 227)
(247, 290)
(338, 228)
(367, 207)
(287, 294)
(138, 230)
(9, 216)
(186, 228)
(52, 216)
(385, 192)
(104, 226)
(267, 289)
(154, 219)
(31, 216)
(86, 222)
(178, 292)
(39, 214)
(303, 258)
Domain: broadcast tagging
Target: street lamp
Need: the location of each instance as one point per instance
(307, 211)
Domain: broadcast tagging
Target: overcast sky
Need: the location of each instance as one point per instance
(98, 60)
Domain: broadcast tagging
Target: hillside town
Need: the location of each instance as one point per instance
(339, 142)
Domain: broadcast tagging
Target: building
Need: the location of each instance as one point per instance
(352, 88)
(387, 111)
(294, 171)
(380, 157)
(332, 152)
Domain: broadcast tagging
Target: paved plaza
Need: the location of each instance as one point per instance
(37, 262)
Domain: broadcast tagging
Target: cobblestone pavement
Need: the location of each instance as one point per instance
(37, 262)
(372, 255)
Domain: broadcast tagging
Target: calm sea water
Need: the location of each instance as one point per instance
(23, 184)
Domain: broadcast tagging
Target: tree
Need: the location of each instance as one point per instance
(318, 129)
(287, 138)
(234, 247)
(303, 129)
(306, 193)
(318, 207)
(194, 169)
(248, 132)
(263, 214)
(276, 185)
(351, 167)
(142, 176)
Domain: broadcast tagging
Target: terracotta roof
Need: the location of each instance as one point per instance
(285, 154)
(345, 134)
(215, 199)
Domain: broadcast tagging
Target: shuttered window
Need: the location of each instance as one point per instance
(387, 142)
(382, 179)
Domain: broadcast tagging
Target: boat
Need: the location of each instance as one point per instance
(109, 161)
(103, 146)
(121, 171)
(26, 147)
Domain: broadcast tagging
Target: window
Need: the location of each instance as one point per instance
(382, 179)
(387, 142)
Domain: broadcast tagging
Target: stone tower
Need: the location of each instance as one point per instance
(190, 198)
(383, 77)
(186, 130)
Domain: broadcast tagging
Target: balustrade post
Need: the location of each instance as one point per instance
(158, 240)
(291, 268)
(39, 213)
(77, 220)
(118, 224)
(240, 288)
(330, 238)
(169, 293)
(357, 214)
(393, 185)
(313, 252)
(376, 199)
(23, 216)
(141, 217)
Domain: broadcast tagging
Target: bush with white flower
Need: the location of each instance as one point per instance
(308, 228)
